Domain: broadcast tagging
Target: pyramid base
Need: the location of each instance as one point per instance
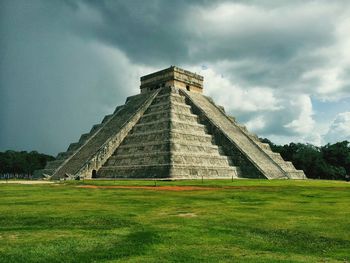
(168, 171)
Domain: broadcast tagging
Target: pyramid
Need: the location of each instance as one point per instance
(170, 131)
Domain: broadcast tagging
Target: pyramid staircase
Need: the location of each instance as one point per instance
(246, 147)
(95, 147)
(168, 141)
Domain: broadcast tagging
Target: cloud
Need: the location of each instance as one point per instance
(236, 30)
(234, 97)
(339, 129)
(304, 123)
(264, 110)
(55, 85)
(256, 124)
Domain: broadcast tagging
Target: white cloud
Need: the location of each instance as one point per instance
(304, 123)
(256, 124)
(236, 98)
(333, 82)
(300, 46)
(339, 129)
(267, 112)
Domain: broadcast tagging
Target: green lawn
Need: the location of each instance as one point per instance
(253, 221)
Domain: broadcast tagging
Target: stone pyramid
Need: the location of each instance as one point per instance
(171, 131)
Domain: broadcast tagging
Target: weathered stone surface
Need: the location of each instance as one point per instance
(249, 151)
(168, 142)
(170, 132)
(172, 77)
(93, 149)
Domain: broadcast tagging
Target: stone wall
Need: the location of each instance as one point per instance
(172, 77)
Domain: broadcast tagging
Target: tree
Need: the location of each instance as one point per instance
(338, 154)
(22, 163)
(331, 161)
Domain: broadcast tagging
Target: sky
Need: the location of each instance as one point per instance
(282, 68)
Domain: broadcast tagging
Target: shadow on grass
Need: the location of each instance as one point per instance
(72, 249)
(88, 222)
(283, 240)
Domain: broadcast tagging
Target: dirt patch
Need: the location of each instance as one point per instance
(250, 188)
(13, 236)
(187, 215)
(155, 188)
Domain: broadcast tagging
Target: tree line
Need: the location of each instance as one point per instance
(331, 161)
(22, 164)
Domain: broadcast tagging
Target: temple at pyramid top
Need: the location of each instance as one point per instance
(172, 77)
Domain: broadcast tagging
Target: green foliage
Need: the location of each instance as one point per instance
(12, 162)
(338, 154)
(239, 221)
(331, 161)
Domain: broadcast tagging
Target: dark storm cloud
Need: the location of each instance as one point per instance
(147, 31)
(158, 31)
(53, 85)
(270, 42)
(65, 64)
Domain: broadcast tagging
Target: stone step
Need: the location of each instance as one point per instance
(191, 136)
(162, 171)
(158, 157)
(166, 134)
(147, 136)
(95, 128)
(138, 159)
(73, 146)
(264, 146)
(172, 97)
(43, 172)
(169, 114)
(285, 165)
(54, 164)
(200, 159)
(135, 171)
(64, 155)
(195, 172)
(194, 146)
(297, 174)
(167, 145)
(288, 167)
(106, 118)
(84, 137)
(118, 108)
(165, 123)
(253, 136)
(275, 156)
(168, 104)
(178, 107)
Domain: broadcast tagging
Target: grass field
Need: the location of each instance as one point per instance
(239, 221)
